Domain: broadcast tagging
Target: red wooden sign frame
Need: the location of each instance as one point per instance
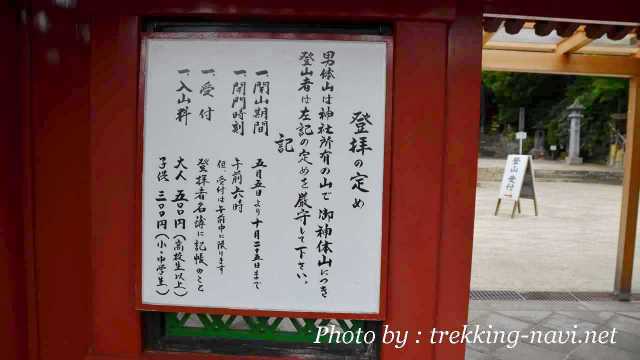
(388, 40)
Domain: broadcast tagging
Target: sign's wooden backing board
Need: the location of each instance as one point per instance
(263, 173)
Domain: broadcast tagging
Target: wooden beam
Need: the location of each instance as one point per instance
(635, 38)
(630, 189)
(486, 37)
(550, 63)
(520, 46)
(575, 42)
(608, 50)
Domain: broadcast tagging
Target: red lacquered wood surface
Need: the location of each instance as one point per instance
(58, 223)
(87, 117)
(13, 310)
(418, 144)
(114, 65)
(459, 173)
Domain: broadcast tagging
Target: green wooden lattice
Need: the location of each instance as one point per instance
(253, 328)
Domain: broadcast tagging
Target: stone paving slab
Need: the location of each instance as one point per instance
(476, 355)
(528, 352)
(597, 317)
(562, 322)
(626, 324)
(600, 352)
(624, 341)
(532, 316)
(529, 316)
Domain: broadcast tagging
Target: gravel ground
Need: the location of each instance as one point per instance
(570, 246)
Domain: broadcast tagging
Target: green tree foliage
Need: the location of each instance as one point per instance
(546, 98)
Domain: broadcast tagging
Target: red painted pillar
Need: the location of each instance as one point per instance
(114, 92)
(435, 147)
(13, 311)
(59, 224)
(462, 135)
(416, 183)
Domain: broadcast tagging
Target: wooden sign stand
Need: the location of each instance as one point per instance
(518, 182)
(516, 205)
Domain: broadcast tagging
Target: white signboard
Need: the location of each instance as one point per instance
(513, 176)
(518, 182)
(263, 174)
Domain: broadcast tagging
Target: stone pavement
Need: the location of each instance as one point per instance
(544, 316)
(570, 246)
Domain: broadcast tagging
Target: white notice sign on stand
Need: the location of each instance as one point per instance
(518, 182)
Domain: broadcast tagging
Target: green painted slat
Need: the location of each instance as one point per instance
(252, 328)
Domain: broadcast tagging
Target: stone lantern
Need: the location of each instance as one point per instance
(575, 117)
